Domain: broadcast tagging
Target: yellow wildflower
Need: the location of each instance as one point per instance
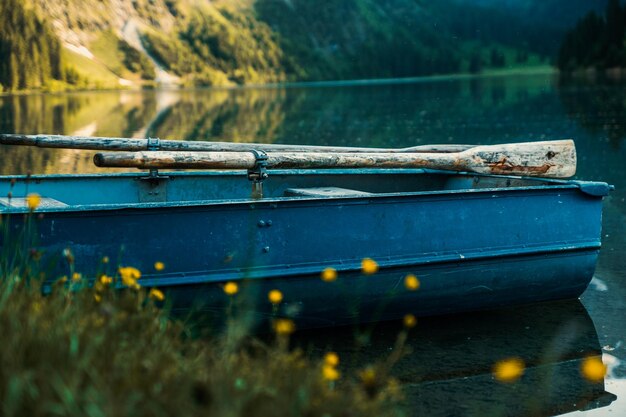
(105, 259)
(331, 359)
(411, 282)
(509, 370)
(284, 326)
(63, 279)
(394, 388)
(330, 373)
(329, 274)
(368, 376)
(36, 306)
(275, 296)
(593, 369)
(97, 297)
(231, 288)
(156, 294)
(409, 321)
(98, 286)
(32, 201)
(76, 276)
(369, 266)
(159, 266)
(129, 276)
(106, 280)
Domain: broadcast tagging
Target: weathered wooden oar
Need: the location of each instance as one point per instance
(132, 145)
(555, 159)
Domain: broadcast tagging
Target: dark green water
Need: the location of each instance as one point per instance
(448, 372)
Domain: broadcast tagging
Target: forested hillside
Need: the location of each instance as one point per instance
(61, 44)
(555, 13)
(30, 53)
(597, 41)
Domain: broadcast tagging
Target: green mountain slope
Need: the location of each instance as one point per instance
(124, 43)
(399, 38)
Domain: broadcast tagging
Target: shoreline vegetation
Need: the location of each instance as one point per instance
(505, 72)
(88, 349)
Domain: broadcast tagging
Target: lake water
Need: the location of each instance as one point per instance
(449, 371)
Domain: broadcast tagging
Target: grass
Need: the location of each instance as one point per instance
(120, 58)
(105, 346)
(106, 49)
(93, 74)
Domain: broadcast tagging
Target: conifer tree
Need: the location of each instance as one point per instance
(596, 41)
(14, 75)
(30, 53)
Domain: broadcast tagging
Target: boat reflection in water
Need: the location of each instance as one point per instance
(449, 368)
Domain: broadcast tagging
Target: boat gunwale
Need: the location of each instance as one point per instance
(301, 201)
(282, 172)
(544, 184)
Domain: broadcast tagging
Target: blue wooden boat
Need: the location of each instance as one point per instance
(475, 241)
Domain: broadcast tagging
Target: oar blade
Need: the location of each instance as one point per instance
(549, 159)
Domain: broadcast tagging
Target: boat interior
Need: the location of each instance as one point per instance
(61, 191)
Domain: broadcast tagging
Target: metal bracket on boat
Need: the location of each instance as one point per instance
(154, 144)
(258, 173)
(152, 187)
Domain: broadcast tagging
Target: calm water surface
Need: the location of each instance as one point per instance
(449, 371)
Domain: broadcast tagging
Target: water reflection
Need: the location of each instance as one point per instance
(229, 115)
(598, 104)
(105, 114)
(393, 115)
(448, 371)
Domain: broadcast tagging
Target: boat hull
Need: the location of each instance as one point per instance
(470, 248)
(445, 288)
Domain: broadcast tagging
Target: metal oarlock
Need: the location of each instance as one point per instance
(154, 144)
(258, 173)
